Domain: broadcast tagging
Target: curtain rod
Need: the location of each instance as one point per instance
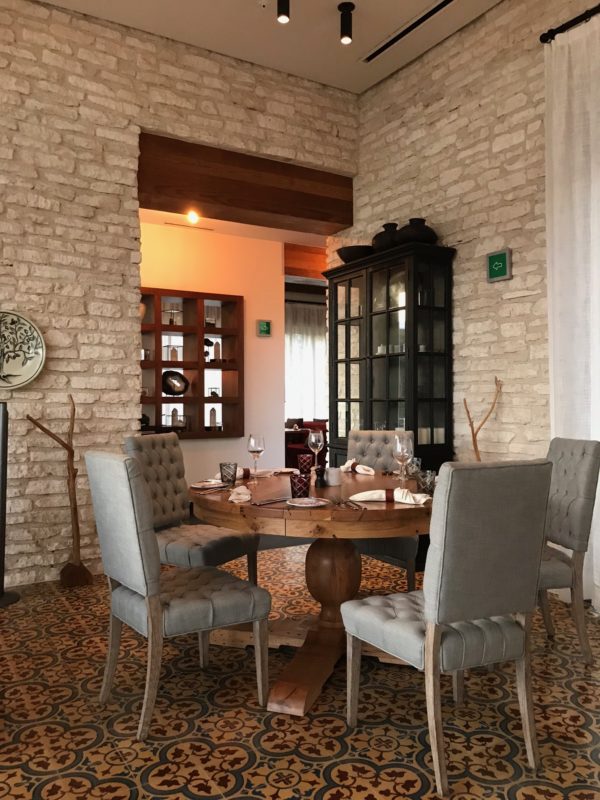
(550, 35)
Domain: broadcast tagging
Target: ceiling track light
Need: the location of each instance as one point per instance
(283, 11)
(346, 10)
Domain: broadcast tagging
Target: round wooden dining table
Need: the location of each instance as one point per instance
(332, 567)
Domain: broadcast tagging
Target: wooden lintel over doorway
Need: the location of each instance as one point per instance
(301, 261)
(177, 176)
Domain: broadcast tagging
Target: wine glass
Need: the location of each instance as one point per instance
(403, 452)
(256, 447)
(316, 442)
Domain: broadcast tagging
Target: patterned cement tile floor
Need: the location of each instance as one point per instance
(210, 740)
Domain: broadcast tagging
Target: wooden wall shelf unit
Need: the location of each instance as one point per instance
(200, 336)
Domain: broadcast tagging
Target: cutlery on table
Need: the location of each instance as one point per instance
(268, 502)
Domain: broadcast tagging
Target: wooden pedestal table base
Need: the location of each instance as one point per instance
(332, 577)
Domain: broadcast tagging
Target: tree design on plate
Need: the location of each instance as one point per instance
(20, 343)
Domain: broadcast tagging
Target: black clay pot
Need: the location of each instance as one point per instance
(416, 231)
(385, 238)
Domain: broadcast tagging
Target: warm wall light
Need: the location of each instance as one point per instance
(346, 10)
(193, 217)
(283, 11)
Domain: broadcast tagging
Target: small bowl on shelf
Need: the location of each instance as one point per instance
(354, 251)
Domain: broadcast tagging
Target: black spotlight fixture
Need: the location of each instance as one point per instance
(283, 11)
(346, 10)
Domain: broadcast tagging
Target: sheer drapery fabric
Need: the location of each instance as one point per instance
(573, 242)
(306, 373)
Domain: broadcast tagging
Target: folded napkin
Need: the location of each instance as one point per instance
(360, 469)
(245, 473)
(241, 494)
(398, 495)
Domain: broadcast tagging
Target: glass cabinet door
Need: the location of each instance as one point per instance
(349, 354)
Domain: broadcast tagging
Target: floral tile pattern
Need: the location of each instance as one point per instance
(209, 738)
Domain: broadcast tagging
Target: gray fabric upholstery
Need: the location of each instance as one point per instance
(203, 545)
(486, 538)
(373, 448)
(572, 492)
(123, 513)
(395, 623)
(193, 600)
(556, 571)
(161, 460)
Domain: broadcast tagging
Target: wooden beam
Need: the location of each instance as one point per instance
(305, 262)
(176, 176)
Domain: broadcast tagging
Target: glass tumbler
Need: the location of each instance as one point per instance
(300, 484)
(305, 462)
(228, 472)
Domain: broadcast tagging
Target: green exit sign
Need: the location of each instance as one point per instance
(499, 265)
(263, 327)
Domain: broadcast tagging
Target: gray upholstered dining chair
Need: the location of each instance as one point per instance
(479, 591)
(161, 605)
(573, 489)
(183, 541)
(375, 449)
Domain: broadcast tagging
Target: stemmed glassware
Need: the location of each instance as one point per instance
(403, 453)
(316, 442)
(256, 447)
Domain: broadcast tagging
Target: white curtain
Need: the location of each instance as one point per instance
(573, 240)
(306, 374)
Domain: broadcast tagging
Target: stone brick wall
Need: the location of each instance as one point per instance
(458, 137)
(74, 94)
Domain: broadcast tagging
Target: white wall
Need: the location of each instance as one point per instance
(195, 260)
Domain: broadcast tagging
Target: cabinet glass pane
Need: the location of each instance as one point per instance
(439, 378)
(423, 377)
(357, 290)
(439, 288)
(397, 288)
(379, 416)
(422, 285)
(355, 380)
(397, 331)
(341, 390)
(355, 416)
(341, 300)
(355, 339)
(396, 416)
(424, 423)
(423, 324)
(397, 385)
(341, 420)
(439, 423)
(439, 332)
(378, 290)
(378, 335)
(341, 343)
(378, 379)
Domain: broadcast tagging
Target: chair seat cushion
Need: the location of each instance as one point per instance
(555, 572)
(203, 545)
(395, 623)
(194, 600)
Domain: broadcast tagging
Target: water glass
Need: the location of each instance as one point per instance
(427, 481)
(305, 461)
(333, 476)
(300, 484)
(228, 472)
(256, 447)
(316, 442)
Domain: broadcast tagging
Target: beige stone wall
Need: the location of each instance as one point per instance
(74, 94)
(458, 137)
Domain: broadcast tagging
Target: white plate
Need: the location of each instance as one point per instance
(308, 502)
(23, 352)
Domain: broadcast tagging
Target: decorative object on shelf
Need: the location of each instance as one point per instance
(263, 327)
(415, 231)
(213, 392)
(145, 422)
(217, 351)
(174, 383)
(74, 573)
(475, 430)
(22, 350)
(175, 418)
(174, 354)
(354, 251)
(385, 238)
(208, 342)
(499, 265)
(212, 418)
(142, 310)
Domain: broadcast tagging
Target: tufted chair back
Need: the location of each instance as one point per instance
(572, 492)
(161, 460)
(373, 448)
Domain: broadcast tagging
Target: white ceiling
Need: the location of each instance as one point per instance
(309, 45)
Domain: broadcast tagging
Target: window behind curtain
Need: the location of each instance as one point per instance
(306, 371)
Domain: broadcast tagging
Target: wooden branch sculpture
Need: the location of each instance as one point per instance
(74, 573)
(475, 430)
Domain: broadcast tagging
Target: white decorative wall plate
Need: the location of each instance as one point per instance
(22, 350)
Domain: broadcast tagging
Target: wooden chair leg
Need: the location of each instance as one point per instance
(458, 687)
(253, 568)
(434, 705)
(353, 657)
(203, 644)
(261, 653)
(546, 615)
(114, 640)
(525, 695)
(410, 575)
(155, 644)
(578, 609)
